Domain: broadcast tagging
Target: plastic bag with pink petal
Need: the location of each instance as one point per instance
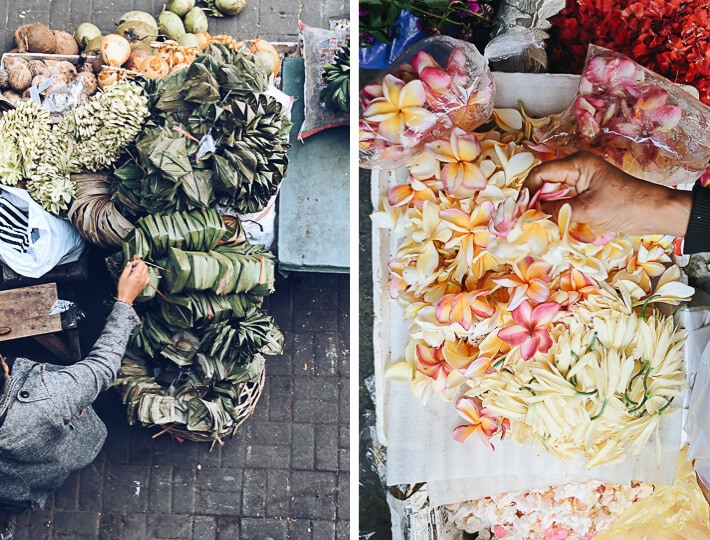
(437, 85)
(636, 119)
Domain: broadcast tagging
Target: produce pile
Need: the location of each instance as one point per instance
(154, 146)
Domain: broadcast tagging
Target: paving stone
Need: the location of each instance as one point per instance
(310, 410)
(169, 526)
(66, 496)
(323, 530)
(313, 495)
(76, 524)
(268, 433)
(204, 528)
(126, 487)
(315, 310)
(90, 487)
(254, 500)
(280, 399)
(300, 528)
(327, 354)
(262, 528)
(218, 503)
(184, 489)
(264, 456)
(326, 447)
(228, 528)
(160, 489)
(302, 447)
(278, 493)
(135, 526)
(223, 481)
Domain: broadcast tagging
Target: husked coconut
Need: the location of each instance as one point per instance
(36, 67)
(66, 44)
(88, 80)
(35, 38)
(20, 78)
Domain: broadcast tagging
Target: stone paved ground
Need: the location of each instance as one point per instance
(285, 473)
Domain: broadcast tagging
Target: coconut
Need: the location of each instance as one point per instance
(180, 7)
(13, 97)
(171, 25)
(66, 44)
(67, 69)
(4, 79)
(93, 48)
(230, 7)
(136, 58)
(89, 81)
(140, 16)
(20, 78)
(35, 38)
(36, 67)
(13, 61)
(85, 33)
(137, 32)
(115, 50)
(190, 41)
(196, 21)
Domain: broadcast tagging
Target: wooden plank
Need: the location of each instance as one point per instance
(25, 311)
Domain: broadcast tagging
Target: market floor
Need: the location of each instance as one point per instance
(283, 475)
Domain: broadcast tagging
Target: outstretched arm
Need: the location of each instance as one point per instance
(80, 384)
(611, 200)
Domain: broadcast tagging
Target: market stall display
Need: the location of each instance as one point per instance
(158, 144)
(503, 314)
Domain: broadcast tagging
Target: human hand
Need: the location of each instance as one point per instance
(610, 200)
(132, 281)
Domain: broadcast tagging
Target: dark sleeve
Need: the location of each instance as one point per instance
(697, 237)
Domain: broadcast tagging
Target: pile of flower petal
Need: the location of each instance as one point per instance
(574, 511)
(538, 326)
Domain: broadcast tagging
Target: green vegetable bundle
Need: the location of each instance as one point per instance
(201, 328)
(215, 134)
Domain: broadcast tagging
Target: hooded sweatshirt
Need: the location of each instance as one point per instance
(50, 428)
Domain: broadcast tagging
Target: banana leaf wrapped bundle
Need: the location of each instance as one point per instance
(214, 134)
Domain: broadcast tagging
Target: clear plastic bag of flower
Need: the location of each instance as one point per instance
(636, 119)
(437, 85)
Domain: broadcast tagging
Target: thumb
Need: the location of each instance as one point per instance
(553, 207)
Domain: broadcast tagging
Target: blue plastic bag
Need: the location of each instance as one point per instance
(381, 55)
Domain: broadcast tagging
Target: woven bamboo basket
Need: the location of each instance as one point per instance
(249, 394)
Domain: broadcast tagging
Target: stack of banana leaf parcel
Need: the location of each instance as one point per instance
(215, 138)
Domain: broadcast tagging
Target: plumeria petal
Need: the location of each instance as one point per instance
(514, 334)
(412, 95)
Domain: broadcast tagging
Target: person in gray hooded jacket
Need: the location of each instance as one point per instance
(48, 427)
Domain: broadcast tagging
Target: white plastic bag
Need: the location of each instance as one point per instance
(51, 240)
(697, 425)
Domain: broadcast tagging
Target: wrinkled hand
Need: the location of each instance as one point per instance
(610, 200)
(133, 280)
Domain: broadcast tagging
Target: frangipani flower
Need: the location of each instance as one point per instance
(530, 331)
(460, 175)
(479, 420)
(464, 308)
(400, 110)
(415, 192)
(530, 280)
(432, 364)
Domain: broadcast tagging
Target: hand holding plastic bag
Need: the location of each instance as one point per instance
(439, 84)
(635, 119)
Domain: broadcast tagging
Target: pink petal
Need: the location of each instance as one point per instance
(461, 433)
(529, 347)
(457, 61)
(595, 69)
(437, 79)
(544, 313)
(667, 117)
(473, 178)
(500, 531)
(523, 314)
(456, 217)
(544, 340)
(652, 97)
(371, 91)
(538, 290)
(619, 68)
(488, 426)
(423, 60)
(514, 334)
(588, 125)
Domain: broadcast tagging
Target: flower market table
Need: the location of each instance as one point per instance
(414, 424)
